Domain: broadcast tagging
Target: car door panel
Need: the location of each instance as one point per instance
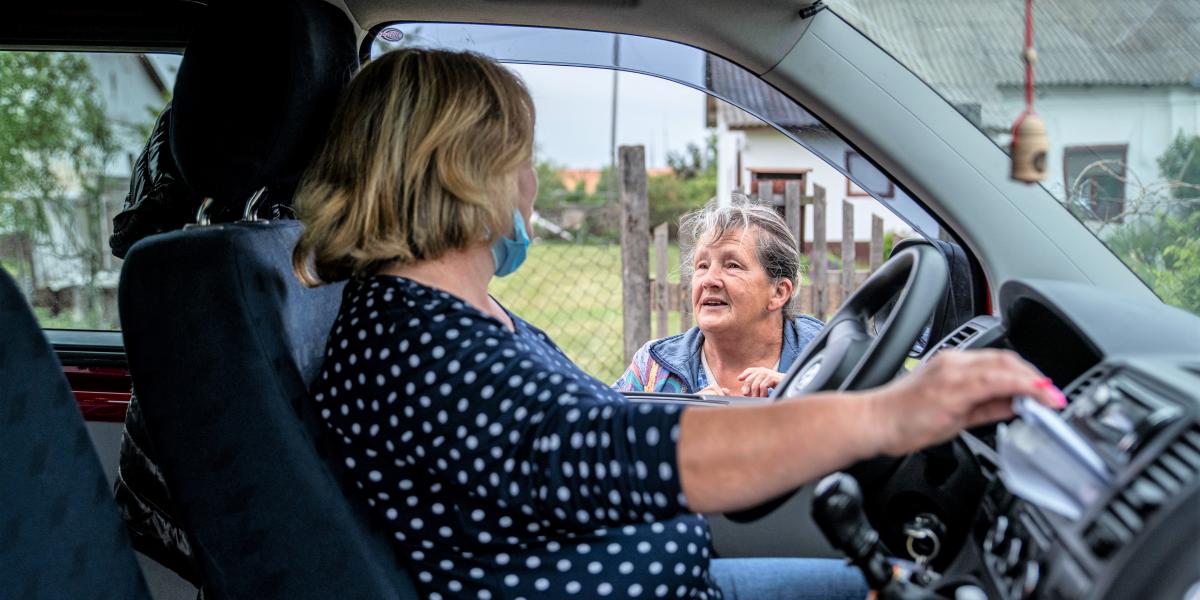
(95, 367)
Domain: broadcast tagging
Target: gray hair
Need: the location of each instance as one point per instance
(778, 252)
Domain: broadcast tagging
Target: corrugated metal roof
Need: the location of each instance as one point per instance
(970, 50)
(1129, 42)
(734, 82)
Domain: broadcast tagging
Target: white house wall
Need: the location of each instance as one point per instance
(729, 143)
(1145, 118)
(768, 149)
(129, 96)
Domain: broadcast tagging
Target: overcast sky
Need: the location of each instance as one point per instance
(574, 106)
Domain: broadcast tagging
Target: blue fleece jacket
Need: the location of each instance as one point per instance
(675, 363)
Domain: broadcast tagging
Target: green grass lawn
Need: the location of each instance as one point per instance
(573, 293)
(67, 320)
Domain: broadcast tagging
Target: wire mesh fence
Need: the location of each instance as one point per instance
(572, 291)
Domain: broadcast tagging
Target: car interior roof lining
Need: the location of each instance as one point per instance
(754, 33)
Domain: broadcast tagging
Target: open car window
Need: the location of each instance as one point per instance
(71, 126)
(715, 76)
(708, 128)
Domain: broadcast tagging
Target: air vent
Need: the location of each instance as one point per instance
(1083, 385)
(959, 337)
(1171, 473)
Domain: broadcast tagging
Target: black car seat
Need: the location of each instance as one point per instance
(60, 536)
(158, 201)
(221, 337)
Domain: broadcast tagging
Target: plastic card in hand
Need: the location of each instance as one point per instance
(1047, 463)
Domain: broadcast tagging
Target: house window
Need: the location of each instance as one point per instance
(865, 173)
(1095, 179)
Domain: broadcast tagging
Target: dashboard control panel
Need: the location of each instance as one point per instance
(1151, 443)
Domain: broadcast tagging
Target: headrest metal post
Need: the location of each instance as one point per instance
(250, 213)
(202, 218)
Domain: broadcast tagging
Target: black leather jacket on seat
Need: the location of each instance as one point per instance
(158, 201)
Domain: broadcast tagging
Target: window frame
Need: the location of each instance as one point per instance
(1093, 149)
(854, 190)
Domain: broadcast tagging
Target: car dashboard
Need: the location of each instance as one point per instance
(1131, 374)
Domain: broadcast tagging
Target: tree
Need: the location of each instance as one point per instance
(553, 193)
(551, 189)
(1178, 282)
(1177, 278)
(1180, 163)
(695, 161)
(1157, 236)
(55, 143)
(691, 183)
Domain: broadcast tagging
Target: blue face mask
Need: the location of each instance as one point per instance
(509, 254)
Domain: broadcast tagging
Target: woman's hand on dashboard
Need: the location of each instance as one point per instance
(758, 381)
(955, 390)
(733, 457)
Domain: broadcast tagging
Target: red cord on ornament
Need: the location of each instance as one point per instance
(1029, 141)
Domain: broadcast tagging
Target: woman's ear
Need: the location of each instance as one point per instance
(781, 292)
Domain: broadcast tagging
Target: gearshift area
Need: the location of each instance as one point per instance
(838, 511)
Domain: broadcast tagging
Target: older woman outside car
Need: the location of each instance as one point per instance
(745, 270)
(494, 465)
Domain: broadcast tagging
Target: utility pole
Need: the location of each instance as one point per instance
(612, 126)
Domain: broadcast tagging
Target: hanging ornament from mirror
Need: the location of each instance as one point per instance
(1029, 140)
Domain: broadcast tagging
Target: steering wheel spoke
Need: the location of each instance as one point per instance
(846, 355)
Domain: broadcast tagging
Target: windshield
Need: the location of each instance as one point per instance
(1118, 86)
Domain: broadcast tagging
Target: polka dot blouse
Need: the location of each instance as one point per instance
(500, 469)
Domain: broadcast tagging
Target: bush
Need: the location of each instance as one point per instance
(1163, 248)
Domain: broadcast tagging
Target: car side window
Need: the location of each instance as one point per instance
(690, 113)
(71, 126)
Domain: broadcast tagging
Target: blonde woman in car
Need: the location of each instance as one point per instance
(497, 467)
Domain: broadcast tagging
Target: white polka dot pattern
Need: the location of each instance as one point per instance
(501, 469)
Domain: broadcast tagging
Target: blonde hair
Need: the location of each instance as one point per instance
(421, 159)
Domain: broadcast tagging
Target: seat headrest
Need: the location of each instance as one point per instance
(255, 94)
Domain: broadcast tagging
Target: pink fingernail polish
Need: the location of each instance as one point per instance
(1060, 398)
(1044, 382)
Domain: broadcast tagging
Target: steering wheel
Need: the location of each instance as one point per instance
(848, 355)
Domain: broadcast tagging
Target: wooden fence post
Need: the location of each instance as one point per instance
(766, 191)
(685, 303)
(818, 266)
(848, 251)
(792, 209)
(685, 293)
(662, 295)
(635, 249)
(876, 242)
